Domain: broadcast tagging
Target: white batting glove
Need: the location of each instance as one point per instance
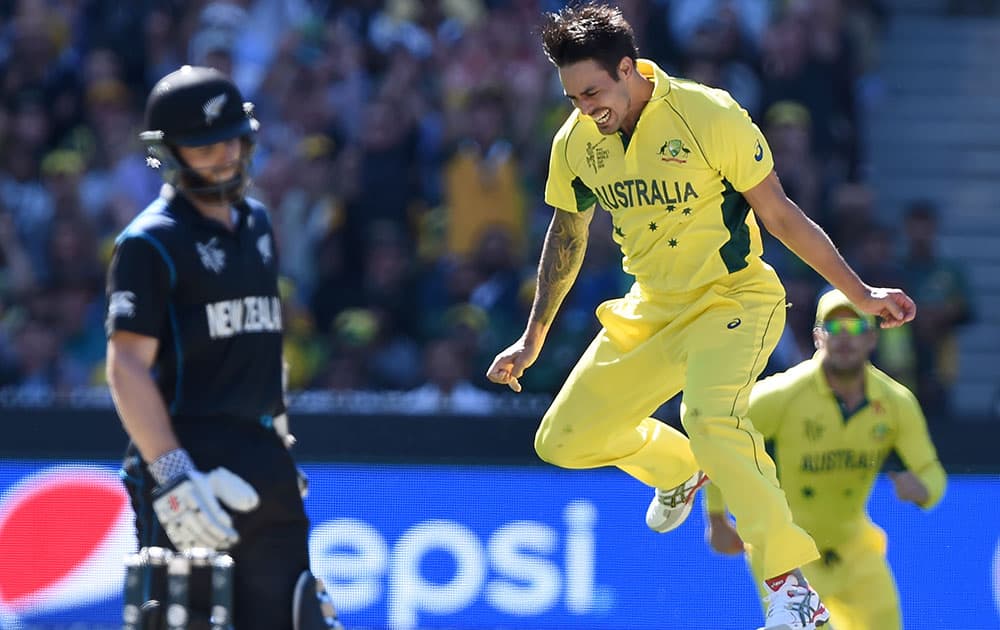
(188, 507)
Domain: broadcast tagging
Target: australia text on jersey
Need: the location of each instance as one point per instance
(647, 193)
(250, 314)
(843, 458)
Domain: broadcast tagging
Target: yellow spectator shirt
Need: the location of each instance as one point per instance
(674, 187)
(482, 193)
(827, 463)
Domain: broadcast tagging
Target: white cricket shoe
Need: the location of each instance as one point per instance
(670, 508)
(793, 606)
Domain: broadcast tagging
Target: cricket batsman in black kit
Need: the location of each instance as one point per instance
(194, 360)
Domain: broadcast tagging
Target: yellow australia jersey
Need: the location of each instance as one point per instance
(827, 462)
(674, 188)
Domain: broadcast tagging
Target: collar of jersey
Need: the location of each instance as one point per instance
(660, 79)
(181, 205)
(819, 378)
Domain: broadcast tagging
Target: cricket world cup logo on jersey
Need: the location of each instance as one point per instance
(813, 429)
(212, 256)
(596, 155)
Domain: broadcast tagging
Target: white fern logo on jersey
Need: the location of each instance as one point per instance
(213, 107)
(121, 304)
(211, 255)
(264, 247)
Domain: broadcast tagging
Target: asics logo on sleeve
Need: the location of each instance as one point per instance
(759, 155)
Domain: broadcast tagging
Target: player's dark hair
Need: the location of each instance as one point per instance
(588, 31)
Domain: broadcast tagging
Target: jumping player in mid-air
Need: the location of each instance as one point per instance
(194, 359)
(679, 166)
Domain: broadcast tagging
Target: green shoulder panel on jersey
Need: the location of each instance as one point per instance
(735, 209)
(585, 197)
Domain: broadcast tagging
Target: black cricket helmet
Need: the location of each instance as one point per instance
(196, 106)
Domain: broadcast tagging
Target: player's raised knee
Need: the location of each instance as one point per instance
(555, 445)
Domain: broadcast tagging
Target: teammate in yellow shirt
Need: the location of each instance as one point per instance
(833, 420)
(679, 167)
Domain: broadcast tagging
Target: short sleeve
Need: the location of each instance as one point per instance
(737, 146)
(915, 448)
(138, 287)
(563, 189)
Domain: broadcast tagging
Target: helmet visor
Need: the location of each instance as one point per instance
(235, 130)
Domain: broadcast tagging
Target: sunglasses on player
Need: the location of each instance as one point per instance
(852, 327)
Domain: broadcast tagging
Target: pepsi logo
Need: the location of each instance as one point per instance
(63, 534)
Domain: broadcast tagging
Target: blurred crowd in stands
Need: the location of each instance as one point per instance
(403, 151)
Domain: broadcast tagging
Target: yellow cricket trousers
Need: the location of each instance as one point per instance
(854, 581)
(712, 343)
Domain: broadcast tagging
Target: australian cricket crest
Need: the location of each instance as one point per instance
(674, 151)
(880, 431)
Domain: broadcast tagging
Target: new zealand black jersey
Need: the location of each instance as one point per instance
(210, 296)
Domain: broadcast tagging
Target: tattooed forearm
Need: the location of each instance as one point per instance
(562, 254)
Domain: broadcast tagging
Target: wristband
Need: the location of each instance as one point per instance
(169, 465)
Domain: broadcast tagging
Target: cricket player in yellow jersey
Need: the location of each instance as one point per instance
(833, 420)
(679, 167)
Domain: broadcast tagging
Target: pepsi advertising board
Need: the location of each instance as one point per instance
(404, 547)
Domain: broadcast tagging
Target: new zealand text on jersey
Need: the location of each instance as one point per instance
(632, 192)
(250, 314)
